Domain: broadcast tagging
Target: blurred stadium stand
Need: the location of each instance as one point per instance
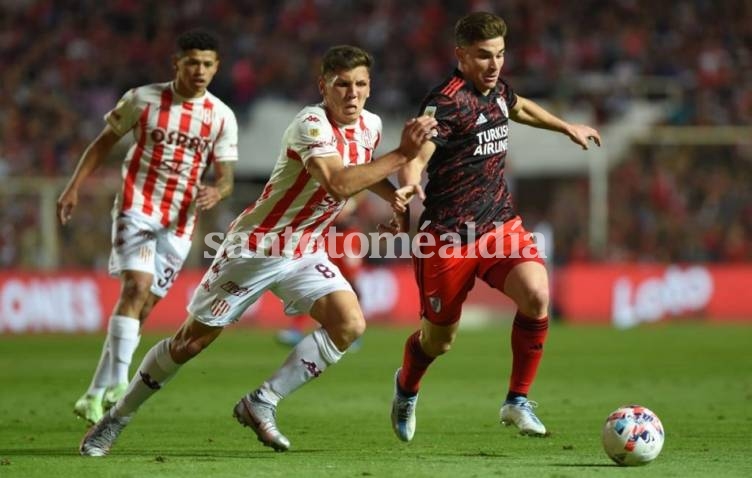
(669, 84)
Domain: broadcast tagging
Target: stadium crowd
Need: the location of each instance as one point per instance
(62, 70)
(666, 204)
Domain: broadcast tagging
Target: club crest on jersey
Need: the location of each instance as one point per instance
(369, 138)
(328, 203)
(503, 105)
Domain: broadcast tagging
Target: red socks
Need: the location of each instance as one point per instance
(415, 362)
(528, 337)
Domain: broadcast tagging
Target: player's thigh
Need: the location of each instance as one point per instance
(307, 280)
(527, 282)
(171, 253)
(134, 244)
(510, 261)
(231, 285)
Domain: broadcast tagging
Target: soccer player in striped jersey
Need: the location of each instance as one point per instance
(179, 129)
(326, 157)
(468, 204)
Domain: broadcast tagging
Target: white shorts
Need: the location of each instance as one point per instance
(141, 243)
(232, 284)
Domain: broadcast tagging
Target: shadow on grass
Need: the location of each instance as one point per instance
(466, 454)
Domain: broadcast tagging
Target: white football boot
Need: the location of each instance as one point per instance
(261, 417)
(403, 412)
(100, 438)
(519, 412)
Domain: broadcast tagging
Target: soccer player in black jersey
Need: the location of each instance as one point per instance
(475, 228)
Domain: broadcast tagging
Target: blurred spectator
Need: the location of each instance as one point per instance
(63, 68)
(64, 65)
(669, 204)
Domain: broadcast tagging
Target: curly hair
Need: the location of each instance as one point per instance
(197, 39)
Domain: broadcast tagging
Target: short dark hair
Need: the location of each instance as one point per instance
(478, 26)
(197, 39)
(344, 57)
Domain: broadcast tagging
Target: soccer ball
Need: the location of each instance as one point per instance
(632, 435)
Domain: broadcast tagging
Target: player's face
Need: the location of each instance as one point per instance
(194, 71)
(481, 63)
(345, 93)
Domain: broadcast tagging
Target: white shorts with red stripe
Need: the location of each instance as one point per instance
(141, 243)
(232, 284)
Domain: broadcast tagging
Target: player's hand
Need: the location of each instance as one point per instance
(207, 197)
(400, 222)
(404, 195)
(415, 133)
(66, 203)
(581, 134)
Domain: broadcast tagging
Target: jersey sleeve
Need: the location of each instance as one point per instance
(444, 109)
(313, 136)
(125, 114)
(226, 145)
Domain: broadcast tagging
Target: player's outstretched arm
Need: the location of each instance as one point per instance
(582, 133)
(341, 182)
(93, 156)
(411, 173)
(528, 112)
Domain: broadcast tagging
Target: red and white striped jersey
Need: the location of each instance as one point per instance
(176, 139)
(294, 208)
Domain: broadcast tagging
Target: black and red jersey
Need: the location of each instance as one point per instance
(466, 172)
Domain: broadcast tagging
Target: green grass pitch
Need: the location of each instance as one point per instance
(696, 377)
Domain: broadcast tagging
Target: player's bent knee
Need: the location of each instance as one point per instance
(536, 303)
(354, 326)
(434, 348)
(348, 329)
(445, 347)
